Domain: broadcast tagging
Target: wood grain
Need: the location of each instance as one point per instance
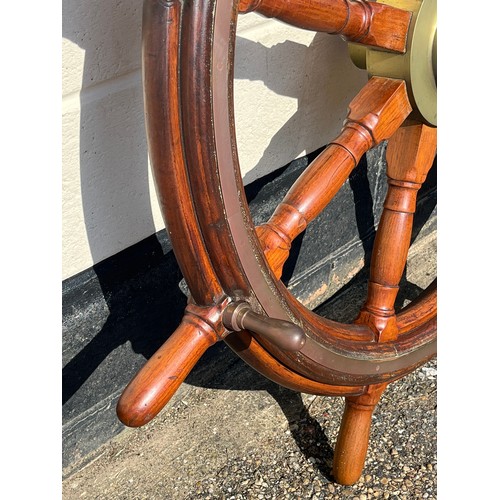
(410, 154)
(354, 435)
(373, 116)
(156, 382)
(368, 23)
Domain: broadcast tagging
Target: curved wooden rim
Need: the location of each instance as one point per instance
(334, 354)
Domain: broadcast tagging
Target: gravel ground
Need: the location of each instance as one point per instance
(268, 442)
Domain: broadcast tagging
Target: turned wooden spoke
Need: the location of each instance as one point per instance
(369, 23)
(410, 154)
(374, 115)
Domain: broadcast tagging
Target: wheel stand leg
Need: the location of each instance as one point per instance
(354, 435)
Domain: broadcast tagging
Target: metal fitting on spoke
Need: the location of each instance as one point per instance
(283, 334)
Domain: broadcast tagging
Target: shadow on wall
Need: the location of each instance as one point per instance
(115, 194)
(319, 76)
(115, 191)
(113, 150)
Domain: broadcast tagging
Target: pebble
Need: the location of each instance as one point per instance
(398, 463)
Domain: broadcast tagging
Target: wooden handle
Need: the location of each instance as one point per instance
(354, 435)
(374, 115)
(410, 154)
(161, 376)
(360, 21)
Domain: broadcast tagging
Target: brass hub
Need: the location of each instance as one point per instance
(417, 66)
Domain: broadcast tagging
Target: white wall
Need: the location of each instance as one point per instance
(292, 88)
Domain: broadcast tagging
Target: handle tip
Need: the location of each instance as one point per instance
(133, 413)
(157, 381)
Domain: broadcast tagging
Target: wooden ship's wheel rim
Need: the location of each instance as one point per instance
(334, 353)
(231, 271)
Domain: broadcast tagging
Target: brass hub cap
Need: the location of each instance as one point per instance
(417, 66)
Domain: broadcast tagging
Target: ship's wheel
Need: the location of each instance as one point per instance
(233, 268)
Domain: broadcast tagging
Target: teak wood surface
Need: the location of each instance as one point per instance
(188, 51)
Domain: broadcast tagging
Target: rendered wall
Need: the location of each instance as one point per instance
(292, 88)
